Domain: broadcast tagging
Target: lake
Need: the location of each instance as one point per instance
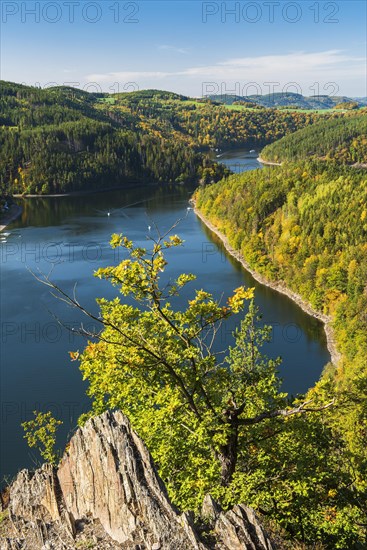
(68, 237)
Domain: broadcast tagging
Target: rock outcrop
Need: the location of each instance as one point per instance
(106, 493)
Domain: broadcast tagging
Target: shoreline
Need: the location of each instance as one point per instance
(13, 213)
(81, 192)
(268, 162)
(279, 287)
(356, 165)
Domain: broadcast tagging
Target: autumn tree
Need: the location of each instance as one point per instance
(195, 407)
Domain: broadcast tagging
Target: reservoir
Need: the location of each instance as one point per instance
(68, 238)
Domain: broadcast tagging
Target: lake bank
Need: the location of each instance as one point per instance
(81, 193)
(279, 286)
(268, 162)
(12, 214)
(357, 165)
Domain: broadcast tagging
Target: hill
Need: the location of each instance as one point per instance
(64, 139)
(342, 140)
(303, 225)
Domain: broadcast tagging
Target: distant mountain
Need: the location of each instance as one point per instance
(360, 100)
(288, 100)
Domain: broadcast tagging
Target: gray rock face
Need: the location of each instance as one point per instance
(120, 486)
(239, 528)
(107, 493)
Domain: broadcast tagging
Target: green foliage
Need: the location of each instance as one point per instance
(342, 140)
(41, 433)
(305, 224)
(63, 139)
(348, 105)
(4, 514)
(216, 421)
(194, 407)
(211, 125)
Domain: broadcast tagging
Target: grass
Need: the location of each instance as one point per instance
(240, 108)
(193, 102)
(4, 524)
(110, 100)
(84, 544)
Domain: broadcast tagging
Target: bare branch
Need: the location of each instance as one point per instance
(282, 413)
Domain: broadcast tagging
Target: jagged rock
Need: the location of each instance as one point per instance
(240, 528)
(120, 485)
(237, 529)
(34, 495)
(12, 544)
(106, 494)
(210, 510)
(36, 501)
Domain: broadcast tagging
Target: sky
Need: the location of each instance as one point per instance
(191, 47)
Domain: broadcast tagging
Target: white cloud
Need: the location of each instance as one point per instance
(290, 61)
(305, 69)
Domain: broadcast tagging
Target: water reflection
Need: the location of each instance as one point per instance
(70, 235)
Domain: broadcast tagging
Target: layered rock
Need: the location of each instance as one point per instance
(106, 493)
(120, 486)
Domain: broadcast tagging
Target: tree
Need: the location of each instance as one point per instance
(41, 433)
(196, 408)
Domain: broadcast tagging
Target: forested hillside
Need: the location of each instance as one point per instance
(63, 139)
(343, 140)
(209, 125)
(305, 223)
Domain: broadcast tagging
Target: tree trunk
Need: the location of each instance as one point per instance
(228, 458)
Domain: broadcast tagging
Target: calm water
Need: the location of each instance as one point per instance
(238, 160)
(69, 236)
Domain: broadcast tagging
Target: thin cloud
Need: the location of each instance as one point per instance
(290, 61)
(249, 66)
(175, 49)
(304, 68)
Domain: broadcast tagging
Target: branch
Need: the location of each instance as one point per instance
(71, 301)
(282, 412)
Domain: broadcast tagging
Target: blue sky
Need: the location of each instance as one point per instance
(191, 47)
